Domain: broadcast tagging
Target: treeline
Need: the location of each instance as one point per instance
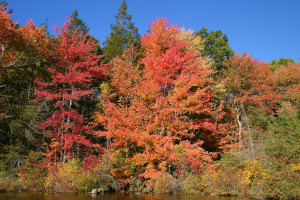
(170, 111)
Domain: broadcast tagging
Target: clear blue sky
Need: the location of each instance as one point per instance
(266, 29)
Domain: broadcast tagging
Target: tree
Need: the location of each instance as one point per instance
(251, 82)
(250, 85)
(71, 80)
(281, 61)
(23, 50)
(77, 24)
(216, 46)
(81, 27)
(4, 4)
(123, 34)
(287, 78)
(159, 119)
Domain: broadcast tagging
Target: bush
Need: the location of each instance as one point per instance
(164, 184)
(9, 183)
(226, 181)
(70, 177)
(33, 174)
(64, 177)
(194, 184)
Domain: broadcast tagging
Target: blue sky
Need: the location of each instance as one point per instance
(266, 29)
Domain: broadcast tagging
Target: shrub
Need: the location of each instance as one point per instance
(70, 177)
(9, 183)
(64, 177)
(164, 184)
(226, 181)
(33, 174)
(194, 184)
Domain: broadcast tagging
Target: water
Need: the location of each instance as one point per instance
(114, 196)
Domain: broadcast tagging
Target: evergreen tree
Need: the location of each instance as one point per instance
(77, 23)
(123, 34)
(80, 25)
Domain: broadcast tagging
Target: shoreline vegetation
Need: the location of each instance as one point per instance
(171, 111)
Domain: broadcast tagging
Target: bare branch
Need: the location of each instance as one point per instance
(2, 52)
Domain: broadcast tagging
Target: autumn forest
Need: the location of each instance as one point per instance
(172, 111)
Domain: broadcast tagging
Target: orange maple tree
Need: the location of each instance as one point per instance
(20, 47)
(18, 43)
(159, 118)
(287, 80)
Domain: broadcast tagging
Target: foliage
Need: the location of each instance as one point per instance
(172, 115)
(63, 177)
(123, 35)
(226, 181)
(283, 136)
(33, 173)
(13, 157)
(253, 172)
(287, 79)
(70, 177)
(194, 184)
(216, 46)
(23, 51)
(151, 114)
(77, 24)
(250, 81)
(281, 61)
(71, 80)
(281, 184)
(164, 184)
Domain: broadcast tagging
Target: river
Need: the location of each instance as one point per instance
(113, 196)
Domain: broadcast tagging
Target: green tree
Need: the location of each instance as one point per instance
(80, 25)
(77, 23)
(123, 34)
(283, 138)
(282, 150)
(216, 46)
(281, 61)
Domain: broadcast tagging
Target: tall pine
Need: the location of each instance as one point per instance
(81, 26)
(123, 34)
(77, 23)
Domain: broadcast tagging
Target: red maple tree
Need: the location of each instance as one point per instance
(251, 82)
(75, 67)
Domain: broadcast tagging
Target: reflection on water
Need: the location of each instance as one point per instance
(115, 196)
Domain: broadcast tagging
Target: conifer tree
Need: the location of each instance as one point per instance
(77, 23)
(80, 25)
(123, 34)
